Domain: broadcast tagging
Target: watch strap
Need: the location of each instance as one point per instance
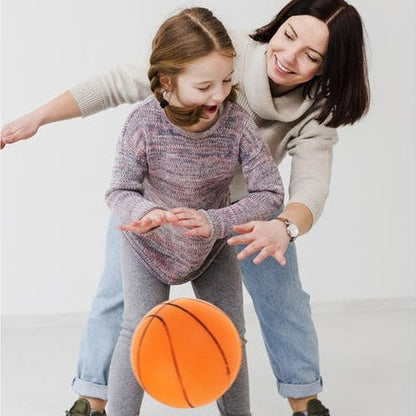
(286, 222)
(283, 220)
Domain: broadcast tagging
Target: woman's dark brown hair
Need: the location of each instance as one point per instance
(343, 83)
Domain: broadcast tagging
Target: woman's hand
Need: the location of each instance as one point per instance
(60, 108)
(196, 222)
(268, 237)
(151, 220)
(20, 129)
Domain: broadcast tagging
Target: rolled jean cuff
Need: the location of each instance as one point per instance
(298, 391)
(88, 389)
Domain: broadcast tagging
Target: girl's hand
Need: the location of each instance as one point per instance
(151, 220)
(267, 237)
(196, 222)
(20, 129)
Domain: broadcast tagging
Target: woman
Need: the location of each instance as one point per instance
(300, 76)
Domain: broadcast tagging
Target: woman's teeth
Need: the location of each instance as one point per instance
(282, 68)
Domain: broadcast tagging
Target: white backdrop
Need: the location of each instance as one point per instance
(53, 212)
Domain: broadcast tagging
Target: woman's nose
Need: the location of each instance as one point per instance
(290, 56)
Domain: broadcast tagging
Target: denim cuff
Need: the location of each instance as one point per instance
(88, 389)
(297, 391)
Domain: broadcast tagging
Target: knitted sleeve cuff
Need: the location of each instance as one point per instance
(87, 98)
(219, 227)
(315, 205)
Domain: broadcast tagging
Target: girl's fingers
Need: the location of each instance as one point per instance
(126, 228)
(188, 223)
(181, 211)
(170, 217)
(198, 232)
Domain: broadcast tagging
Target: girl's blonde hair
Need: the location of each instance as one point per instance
(191, 34)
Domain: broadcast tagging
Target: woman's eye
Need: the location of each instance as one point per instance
(288, 35)
(311, 58)
(203, 88)
(226, 81)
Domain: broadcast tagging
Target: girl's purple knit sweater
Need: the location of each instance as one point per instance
(159, 165)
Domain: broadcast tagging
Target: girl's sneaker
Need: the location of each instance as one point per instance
(82, 408)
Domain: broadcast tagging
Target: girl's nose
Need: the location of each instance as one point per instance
(219, 94)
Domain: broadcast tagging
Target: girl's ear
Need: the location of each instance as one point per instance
(165, 82)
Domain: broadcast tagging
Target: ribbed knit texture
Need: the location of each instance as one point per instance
(159, 165)
(287, 123)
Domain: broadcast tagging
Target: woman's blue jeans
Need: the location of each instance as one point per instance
(281, 305)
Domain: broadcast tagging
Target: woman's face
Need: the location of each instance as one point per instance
(296, 52)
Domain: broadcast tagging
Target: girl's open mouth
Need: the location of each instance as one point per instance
(211, 109)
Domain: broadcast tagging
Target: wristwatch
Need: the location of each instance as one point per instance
(291, 228)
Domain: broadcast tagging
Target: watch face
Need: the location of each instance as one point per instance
(292, 230)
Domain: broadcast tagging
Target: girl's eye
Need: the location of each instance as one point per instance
(226, 81)
(203, 88)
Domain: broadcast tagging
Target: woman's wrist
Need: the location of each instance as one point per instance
(292, 229)
(300, 215)
(40, 116)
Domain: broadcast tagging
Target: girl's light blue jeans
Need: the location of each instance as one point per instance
(281, 305)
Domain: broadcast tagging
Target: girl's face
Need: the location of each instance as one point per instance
(296, 52)
(206, 82)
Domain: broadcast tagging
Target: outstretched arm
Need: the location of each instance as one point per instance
(311, 151)
(60, 108)
(119, 85)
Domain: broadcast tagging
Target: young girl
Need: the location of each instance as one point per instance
(177, 154)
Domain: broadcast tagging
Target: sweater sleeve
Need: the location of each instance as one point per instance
(125, 194)
(264, 185)
(119, 85)
(311, 150)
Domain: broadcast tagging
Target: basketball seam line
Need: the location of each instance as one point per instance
(173, 356)
(209, 332)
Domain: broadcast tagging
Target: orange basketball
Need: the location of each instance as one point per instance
(185, 352)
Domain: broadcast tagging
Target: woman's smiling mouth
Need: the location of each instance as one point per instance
(281, 68)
